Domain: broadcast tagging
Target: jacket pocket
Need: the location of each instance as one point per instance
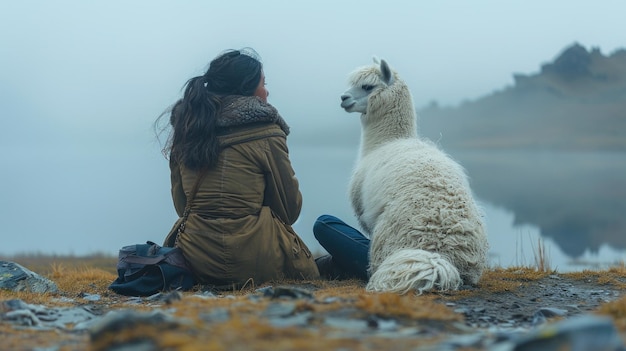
(300, 263)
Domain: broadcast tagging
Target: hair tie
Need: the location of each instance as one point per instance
(206, 81)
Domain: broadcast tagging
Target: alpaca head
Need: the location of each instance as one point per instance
(366, 81)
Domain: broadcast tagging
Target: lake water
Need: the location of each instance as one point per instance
(573, 204)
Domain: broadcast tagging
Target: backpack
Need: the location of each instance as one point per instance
(145, 269)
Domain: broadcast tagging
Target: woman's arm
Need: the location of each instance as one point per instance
(282, 190)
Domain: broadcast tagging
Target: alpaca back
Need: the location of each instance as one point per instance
(418, 197)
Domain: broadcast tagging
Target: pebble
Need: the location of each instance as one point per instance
(206, 295)
(166, 297)
(91, 297)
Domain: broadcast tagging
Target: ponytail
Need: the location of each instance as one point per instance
(193, 118)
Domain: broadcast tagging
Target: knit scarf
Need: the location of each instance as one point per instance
(240, 110)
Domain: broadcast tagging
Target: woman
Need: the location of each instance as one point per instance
(229, 144)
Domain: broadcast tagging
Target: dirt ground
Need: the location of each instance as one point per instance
(529, 303)
(316, 315)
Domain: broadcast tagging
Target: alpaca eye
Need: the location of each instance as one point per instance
(367, 87)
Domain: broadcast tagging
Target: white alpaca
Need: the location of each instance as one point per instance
(411, 198)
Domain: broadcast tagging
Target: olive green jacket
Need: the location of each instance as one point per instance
(239, 229)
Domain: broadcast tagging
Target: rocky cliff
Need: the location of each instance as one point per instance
(578, 101)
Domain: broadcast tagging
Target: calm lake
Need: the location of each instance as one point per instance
(571, 203)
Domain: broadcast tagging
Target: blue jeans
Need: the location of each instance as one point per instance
(348, 247)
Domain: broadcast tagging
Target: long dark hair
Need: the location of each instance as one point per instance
(193, 138)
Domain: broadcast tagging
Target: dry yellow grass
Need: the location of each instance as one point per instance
(615, 276)
(46, 264)
(72, 274)
(73, 281)
(244, 329)
(389, 305)
(509, 279)
(617, 311)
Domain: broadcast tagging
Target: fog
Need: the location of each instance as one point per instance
(81, 84)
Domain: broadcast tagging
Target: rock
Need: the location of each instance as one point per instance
(544, 313)
(206, 295)
(550, 312)
(19, 313)
(491, 321)
(166, 297)
(131, 330)
(12, 305)
(14, 277)
(22, 318)
(90, 297)
(587, 332)
(116, 321)
(573, 63)
(285, 291)
(279, 310)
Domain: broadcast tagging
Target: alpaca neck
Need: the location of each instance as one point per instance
(381, 130)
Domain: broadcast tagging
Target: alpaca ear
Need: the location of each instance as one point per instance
(376, 60)
(386, 71)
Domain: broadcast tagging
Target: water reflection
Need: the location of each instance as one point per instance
(577, 199)
(518, 245)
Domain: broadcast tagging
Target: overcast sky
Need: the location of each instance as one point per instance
(81, 83)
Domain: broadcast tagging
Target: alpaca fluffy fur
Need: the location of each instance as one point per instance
(411, 198)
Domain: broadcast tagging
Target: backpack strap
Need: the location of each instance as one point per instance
(162, 254)
(144, 260)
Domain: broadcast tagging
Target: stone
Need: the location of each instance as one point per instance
(15, 277)
(166, 297)
(104, 333)
(583, 333)
(22, 314)
(286, 292)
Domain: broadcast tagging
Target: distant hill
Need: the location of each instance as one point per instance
(577, 102)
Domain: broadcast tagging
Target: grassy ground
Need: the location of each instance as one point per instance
(76, 276)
